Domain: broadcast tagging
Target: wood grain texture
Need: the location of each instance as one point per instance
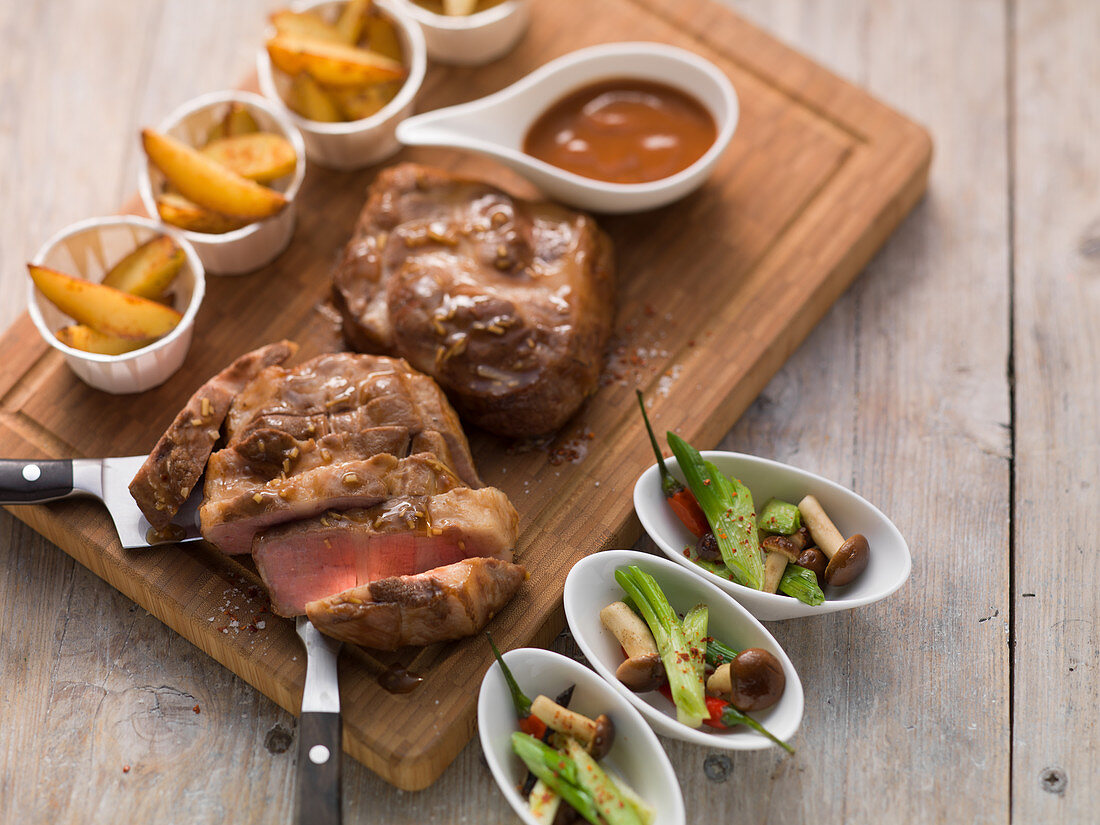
(63, 628)
(1056, 734)
(817, 177)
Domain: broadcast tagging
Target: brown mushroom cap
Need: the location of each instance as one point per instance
(780, 544)
(757, 680)
(814, 558)
(848, 561)
(642, 673)
(603, 739)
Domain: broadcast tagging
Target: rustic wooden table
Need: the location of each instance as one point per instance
(956, 384)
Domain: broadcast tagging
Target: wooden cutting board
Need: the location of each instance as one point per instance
(715, 292)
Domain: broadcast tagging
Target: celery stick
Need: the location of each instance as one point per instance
(664, 624)
(727, 504)
(558, 771)
(780, 517)
(802, 585)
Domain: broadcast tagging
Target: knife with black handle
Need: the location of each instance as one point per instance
(319, 731)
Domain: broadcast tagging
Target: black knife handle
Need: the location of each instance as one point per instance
(319, 770)
(33, 482)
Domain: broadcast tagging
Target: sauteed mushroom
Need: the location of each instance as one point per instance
(597, 734)
(754, 680)
(642, 671)
(847, 559)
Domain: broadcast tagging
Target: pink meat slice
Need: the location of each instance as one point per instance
(439, 605)
(309, 559)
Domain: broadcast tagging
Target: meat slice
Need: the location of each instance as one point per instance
(239, 503)
(446, 603)
(177, 461)
(506, 303)
(309, 559)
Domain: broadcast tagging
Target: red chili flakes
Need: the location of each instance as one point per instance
(706, 482)
(687, 553)
(197, 709)
(125, 768)
(649, 310)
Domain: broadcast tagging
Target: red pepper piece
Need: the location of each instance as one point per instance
(533, 726)
(687, 509)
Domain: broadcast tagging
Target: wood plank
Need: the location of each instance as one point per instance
(900, 391)
(1056, 607)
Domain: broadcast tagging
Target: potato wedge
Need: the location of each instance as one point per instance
(176, 210)
(459, 8)
(208, 183)
(364, 101)
(352, 17)
(103, 308)
(237, 121)
(260, 156)
(306, 25)
(148, 270)
(333, 64)
(85, 338)
(308, 99)
(382, 38)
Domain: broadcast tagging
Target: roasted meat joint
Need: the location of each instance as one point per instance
(508, 304)
(350, 482)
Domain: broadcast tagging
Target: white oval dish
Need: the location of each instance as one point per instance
(591, 586)
(636, 755)
(496, 125)
(257, 244)
(88, 249)
(357, 143)
(886, 571)
(471, 39)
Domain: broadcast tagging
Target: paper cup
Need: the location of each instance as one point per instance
(250, 247)
(472, 39)
(88, 250)
(357, 143)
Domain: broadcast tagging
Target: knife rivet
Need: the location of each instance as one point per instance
(32, 472)
(318, 754)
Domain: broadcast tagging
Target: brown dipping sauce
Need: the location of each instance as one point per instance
(396, 679)
(623, 131)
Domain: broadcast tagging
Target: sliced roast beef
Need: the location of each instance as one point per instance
(506, 303)
(439, 605)
(177, 461)
(238, 505)
(309, 559)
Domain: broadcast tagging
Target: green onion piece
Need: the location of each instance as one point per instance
(670, 485)
(664, 624)
(519, 699)
(558, 771)
(718, 653)
(727, 505)
(801, 584)
(614, 808)
(695, 631)
(780, 517)
(732, 716)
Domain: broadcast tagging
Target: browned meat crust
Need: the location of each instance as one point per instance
(177, 461)
(442, 604)
(506, 303)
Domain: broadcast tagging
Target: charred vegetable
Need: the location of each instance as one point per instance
(680, 499)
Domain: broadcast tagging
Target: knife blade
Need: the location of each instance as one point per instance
(320, 730)
(38, 481)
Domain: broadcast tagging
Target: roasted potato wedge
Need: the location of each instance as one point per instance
(459, 8)
(85, 338)
(382, 38)
(333, 64)
(260, 156)
(352, 18)
(206, 182)
(237, 121)
(147, 271)
(176, 210)
(104, 308)
(308, 99)
(306, 25)
(364, 101)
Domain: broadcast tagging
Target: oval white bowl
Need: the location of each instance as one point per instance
(591, 586)
(88, 250)
(471, 39)
(636, 755)
(356, 143)
(260, 242)
(886, 571)
(496, 125)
